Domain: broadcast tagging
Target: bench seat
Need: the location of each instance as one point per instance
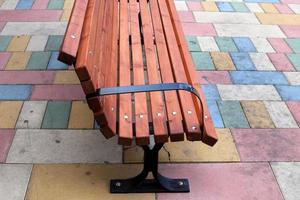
(115, 43)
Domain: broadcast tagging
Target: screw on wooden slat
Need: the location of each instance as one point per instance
(189, 112)
(173, 113)
(73, 36)
(158, 114)
(194, 128)
(125, 117)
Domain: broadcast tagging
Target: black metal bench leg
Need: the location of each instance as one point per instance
(140, 183)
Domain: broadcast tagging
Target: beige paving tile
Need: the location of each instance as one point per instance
(18, 43)
(210, 6)
(257, 114)
(222, 61)
(268, 8)
(66, 77)
(9, 112)
(78, 181)
(279, 19)
(187, 151)
(68, 5)
(81, 116)
(66, 15)
(18, 61)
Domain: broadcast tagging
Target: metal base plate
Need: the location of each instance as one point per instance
(149, 186)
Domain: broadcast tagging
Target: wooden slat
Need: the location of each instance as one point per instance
(209, 135)
(103, 63)
(110, 102)
(140, 100)
(156, 98)
(192, 126)
(69, 48)
(172, 103)
(125, 107)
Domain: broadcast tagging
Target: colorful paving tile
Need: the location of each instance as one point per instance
(247, 57)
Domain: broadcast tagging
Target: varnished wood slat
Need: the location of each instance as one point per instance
(69, 48)
(140, 101)
(159, 118)
(171, 98)
(125, 107)
(87, 41)
(209, 135)
(103, 63)
(192, 125)
(110, 102)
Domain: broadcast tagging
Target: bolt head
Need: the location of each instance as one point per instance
(118, 184)
(180, 183)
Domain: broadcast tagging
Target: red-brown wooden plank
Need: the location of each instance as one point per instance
(171, 98)
(209, 134)
(192, 125)
(140, 101)
(69, 48)
(159, 117)
(125, 107)
(110, 102)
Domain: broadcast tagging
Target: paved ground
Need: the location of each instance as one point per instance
(247, 53)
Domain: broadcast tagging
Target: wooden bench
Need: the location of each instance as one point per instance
(135, 68)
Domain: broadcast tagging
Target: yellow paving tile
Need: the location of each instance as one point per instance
(66, 77)
(9, 112)
(257, 114)
(78, 181)
(278, 19)
(81, 116)
(268, 8)
(187, 151)
(222, 61)
(18, 61)
(68, 5)
(66, 15)
(210, 6)
(18, 43)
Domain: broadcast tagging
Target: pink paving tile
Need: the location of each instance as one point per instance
(214, 77)
(4, 57)
(291, 1)
(186, 16)
(194, 6)
(224, 181)
(291, 31)
(198, 29)
(26, 77)
(283, 8)
(57, 92)
(268, 144)
(29, 15)
(281, 62)
(40, 4)
(279, 45)
(6, 138)
(294, 107)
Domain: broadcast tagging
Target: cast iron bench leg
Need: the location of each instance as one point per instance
(140, 184)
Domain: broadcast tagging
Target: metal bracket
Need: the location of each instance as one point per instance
(140, 184)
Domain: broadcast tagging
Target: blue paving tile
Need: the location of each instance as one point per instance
(215, 114)
(225, 7)
(262, 1)
(211, 92)
(260, 78)
(56, 64)
(242, 61)
(289, 93)
(24, 4)
(15, 92)
(244, 44)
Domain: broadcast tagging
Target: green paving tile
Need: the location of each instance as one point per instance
(57, 114)
(39, 61)
(4, 42)
(193, 43)
(54, 43)
(295, 59)
(203, 61)
(56, 4)
(232, 114)
(294, 44)
(239, 7)
(226, 44)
